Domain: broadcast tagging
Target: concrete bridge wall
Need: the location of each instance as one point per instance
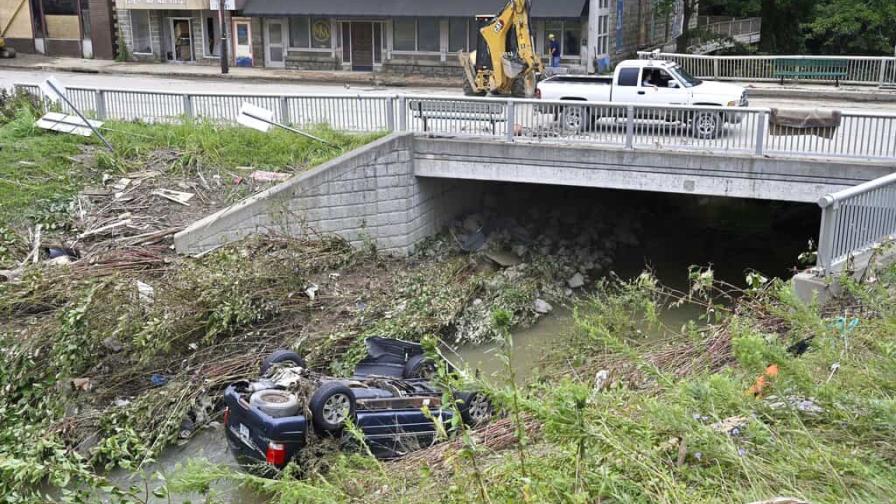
(401, 189)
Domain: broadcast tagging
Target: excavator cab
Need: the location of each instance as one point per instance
(504, 62)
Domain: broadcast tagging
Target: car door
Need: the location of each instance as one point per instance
(625, 88)
(658, 87)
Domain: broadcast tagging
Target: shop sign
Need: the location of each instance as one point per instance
(216, 4)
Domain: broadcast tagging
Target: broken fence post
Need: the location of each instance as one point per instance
(55, 91)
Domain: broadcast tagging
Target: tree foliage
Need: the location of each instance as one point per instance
(852, 27)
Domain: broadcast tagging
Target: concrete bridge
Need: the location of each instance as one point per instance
(405, 187)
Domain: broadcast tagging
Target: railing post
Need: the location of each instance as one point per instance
(760, 133)
(188, 106)
(100, 104)
(402, 113)
(883, 72)
(390, 113)
(629, 126)
(715, 67)
(284, 111)
(829, 211)
(510, 119)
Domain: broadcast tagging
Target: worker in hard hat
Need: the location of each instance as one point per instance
(554, 47)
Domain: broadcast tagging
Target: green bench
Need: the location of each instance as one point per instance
(802, 68)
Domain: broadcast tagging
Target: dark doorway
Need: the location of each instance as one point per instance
(362, 46)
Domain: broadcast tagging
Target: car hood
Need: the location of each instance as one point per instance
(731, 91)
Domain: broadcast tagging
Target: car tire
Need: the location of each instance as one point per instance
(475, 408)
(573, 119)
(706, 125)
(419, 367)
(279, 356)
(277, 403)
(331, 405)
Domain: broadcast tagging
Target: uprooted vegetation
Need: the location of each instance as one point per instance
(630, 419)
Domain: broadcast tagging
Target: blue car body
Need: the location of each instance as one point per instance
(391, 425)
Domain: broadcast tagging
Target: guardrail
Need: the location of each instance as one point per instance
(869, 70)
(855, 220)
(734, 27)
(716, 130)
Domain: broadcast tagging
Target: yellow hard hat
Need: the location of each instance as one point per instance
(551, 36)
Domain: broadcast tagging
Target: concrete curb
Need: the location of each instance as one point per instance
(872, 95)
(299, 77)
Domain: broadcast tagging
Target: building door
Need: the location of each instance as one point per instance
(182, 39)
(275, 43)
(242, 42)
(362, 46)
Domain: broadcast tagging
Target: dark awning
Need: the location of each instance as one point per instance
(394, 8)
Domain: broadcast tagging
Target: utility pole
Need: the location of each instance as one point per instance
(225, 68)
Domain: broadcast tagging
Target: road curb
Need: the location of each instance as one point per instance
(872, 95)
(348, 78)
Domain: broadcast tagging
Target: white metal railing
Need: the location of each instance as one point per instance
(716, 130)
(871, 70)
(854, 220)
(734, 27)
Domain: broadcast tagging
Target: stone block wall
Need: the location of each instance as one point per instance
(368, 195)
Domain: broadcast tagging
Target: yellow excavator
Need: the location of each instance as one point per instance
(504, 62)
(5, 51)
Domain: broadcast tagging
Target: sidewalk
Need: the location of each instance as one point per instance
(186, 71)
(37, 62)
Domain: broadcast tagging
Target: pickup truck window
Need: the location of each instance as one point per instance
(688, 79)
(656, 77)
(628, 77)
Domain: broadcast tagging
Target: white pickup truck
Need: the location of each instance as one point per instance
(645, 82)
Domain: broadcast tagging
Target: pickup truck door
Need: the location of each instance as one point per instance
(658, 87)
(625, 85)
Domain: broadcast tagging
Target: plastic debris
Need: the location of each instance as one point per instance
(175, 196)
(146, 293)
(158, 380)
(268, 176)
(311, 291)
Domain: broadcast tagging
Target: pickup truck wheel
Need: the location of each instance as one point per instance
(706, 125)
(475, 408)
(419, 366)
(331, 405)
(279, 356)
(573, 119)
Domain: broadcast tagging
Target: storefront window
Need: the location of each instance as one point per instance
(212, 34)
(60, 7)
(572, 38)
(320, 33)
(568, 33)
(140, 32)
(428, 34)
(457, 34)
(299, 31)
(404, 34)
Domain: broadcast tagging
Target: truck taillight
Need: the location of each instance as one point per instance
(276, 454)
(226, 416)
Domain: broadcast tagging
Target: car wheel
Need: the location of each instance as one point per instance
(475, 408)
(419, 366)
(706, 125)
(277, 403)
(281, 356)
(331, 405)
(572, 119)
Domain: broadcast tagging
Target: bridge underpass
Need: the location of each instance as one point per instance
(401, 189)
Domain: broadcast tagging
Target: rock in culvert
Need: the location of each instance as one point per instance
(576, 281)
(542, 306)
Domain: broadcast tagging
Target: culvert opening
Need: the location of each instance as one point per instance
(596, 231)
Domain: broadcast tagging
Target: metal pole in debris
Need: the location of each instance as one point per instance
(62, 96)
(287, 128)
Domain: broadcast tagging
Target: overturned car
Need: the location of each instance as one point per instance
(273, 418)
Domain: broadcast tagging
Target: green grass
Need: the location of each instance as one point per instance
(38, 177)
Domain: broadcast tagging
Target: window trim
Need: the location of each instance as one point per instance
(149, 32)
(561, 39)
(416, 50)
(309, 47)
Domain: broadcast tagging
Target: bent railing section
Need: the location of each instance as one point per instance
(871, 70)
(715, 130)
(855, 220)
